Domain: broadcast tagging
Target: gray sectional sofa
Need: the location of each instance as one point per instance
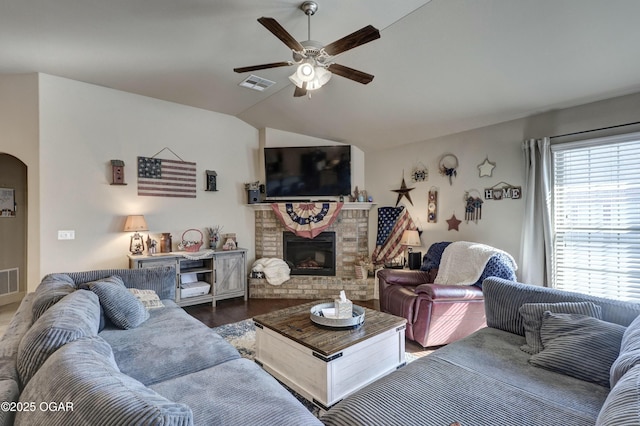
(547, 357)
(80, 351)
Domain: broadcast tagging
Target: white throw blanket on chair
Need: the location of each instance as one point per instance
(463, 262)
(275, 270)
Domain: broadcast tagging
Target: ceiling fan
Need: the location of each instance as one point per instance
(314, 61)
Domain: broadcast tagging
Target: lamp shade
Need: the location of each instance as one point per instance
(410, 238)
(135, 223)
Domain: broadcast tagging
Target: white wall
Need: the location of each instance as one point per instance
(83, 127)
(19, 138)
(501, 223)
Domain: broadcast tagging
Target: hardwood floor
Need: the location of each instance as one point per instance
(234, 310)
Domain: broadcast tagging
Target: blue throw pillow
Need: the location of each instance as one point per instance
(579, 346)
(120, 306)
(531, 314)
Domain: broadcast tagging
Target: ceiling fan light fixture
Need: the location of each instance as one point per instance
(295, 80)
(306, 71)
(322, 77)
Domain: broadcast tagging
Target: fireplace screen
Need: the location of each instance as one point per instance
(316, 256)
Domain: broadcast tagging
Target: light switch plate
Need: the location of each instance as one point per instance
(66, 235)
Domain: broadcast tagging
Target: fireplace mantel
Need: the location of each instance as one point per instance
(346, 206)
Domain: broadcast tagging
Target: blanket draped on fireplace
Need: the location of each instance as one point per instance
(307, 219)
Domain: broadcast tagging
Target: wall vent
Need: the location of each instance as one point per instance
(8, 281)
(256, 83)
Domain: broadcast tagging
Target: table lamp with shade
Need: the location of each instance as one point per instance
(136, 223)
(410, 239)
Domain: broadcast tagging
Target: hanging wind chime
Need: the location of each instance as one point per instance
(473, 207)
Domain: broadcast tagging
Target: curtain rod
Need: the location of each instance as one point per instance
(595, 130)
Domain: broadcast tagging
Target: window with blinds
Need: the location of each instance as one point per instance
(596, 217)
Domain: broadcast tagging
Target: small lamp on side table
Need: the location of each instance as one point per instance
(411, 238)
(135, 223)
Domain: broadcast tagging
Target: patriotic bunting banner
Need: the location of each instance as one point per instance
(392, 222)
(307, 219)
(166, 178)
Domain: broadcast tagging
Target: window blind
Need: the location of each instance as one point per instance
(596, 217)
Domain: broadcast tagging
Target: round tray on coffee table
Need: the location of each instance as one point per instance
(356, 320)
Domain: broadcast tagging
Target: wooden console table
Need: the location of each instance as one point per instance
(224, 270)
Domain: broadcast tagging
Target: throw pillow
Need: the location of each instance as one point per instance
(531, 314)
(75, 315)
(84, 372)
(52, 288)
(148, 298)
(579, 346)
(120, 306)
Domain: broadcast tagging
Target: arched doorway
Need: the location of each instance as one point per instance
(13, 229)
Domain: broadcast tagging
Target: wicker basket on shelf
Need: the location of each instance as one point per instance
(191, 245)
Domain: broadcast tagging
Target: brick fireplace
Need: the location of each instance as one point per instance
(351, 230)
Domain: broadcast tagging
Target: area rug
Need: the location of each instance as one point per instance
(242, 335)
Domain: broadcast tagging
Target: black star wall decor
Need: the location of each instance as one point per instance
(403, 192)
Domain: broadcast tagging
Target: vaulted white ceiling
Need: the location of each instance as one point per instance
(440, 66)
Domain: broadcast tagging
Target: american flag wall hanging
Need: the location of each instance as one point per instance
(158, 177)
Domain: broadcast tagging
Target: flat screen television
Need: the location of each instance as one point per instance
(311, 171)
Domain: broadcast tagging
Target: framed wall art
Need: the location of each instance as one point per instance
(7, 202)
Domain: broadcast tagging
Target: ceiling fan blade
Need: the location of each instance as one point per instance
(358, 38)
(300, 91)
(350, 73)
(279, 31)
(263, 66)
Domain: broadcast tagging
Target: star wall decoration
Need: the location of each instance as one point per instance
(403, 192)
(453, 223)
(486, 168)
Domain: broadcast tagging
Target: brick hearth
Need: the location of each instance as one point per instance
(352, 233)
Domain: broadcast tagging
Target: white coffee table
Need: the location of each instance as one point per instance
(322, 364)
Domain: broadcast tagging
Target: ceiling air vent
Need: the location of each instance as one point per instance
(256, 83)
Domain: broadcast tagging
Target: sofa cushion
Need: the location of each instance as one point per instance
(483, 379)
(84, 373)
(120, 306)
(245, 395)
(148, 298)
(74, 316)
(170, 343)
(629, 352)
(531, 314)
(621, 406)
(52, 288)
(579, 346)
